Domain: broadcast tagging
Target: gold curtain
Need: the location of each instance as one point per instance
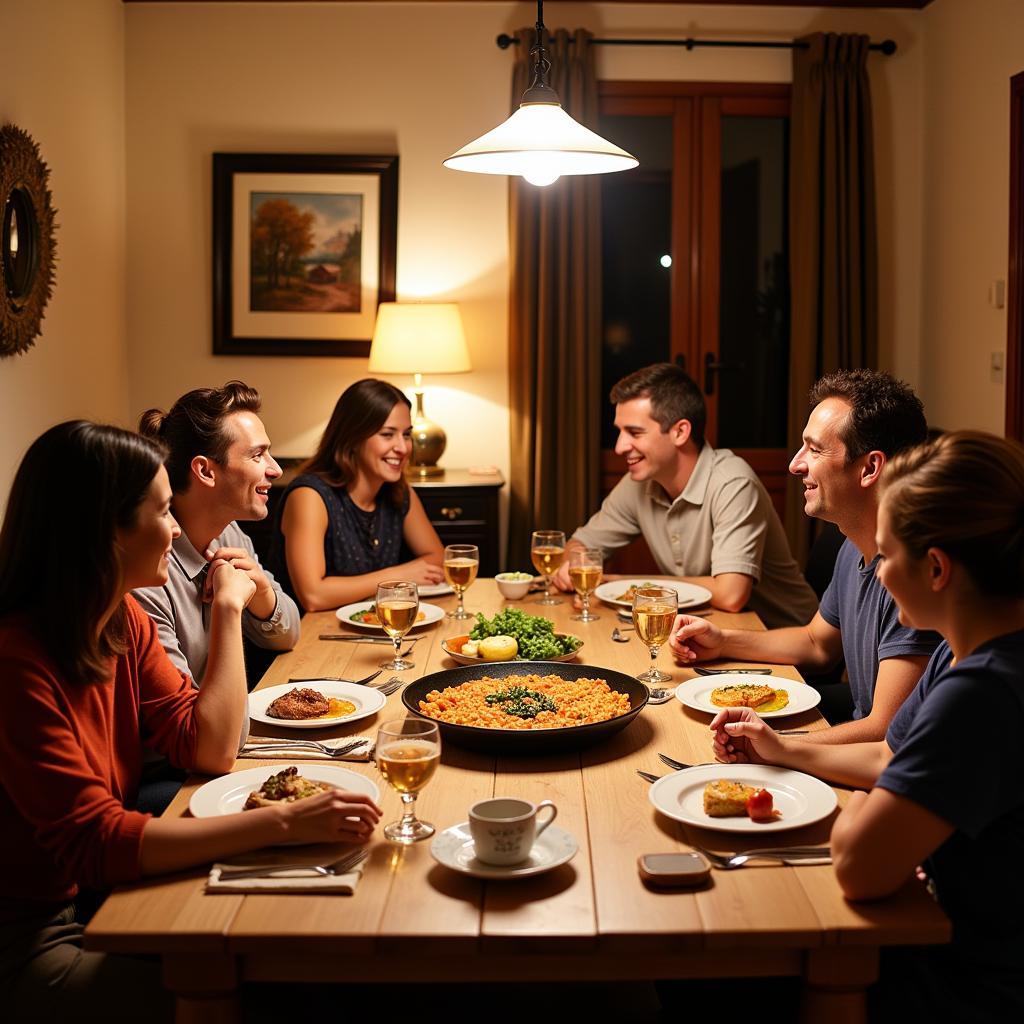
(832, 222)
(555, 320)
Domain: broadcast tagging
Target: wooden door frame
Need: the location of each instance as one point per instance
(1015, 284)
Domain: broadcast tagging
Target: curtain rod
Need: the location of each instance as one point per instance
(887, 46)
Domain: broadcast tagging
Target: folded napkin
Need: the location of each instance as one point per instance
(298, 881)
(292, 750)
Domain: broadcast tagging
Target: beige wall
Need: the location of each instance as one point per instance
(972, 50)
(62, 81)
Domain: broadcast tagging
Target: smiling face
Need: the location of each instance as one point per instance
(145, 546)
(908, 579)
(243, 481)
(650, 452)
(831, 484)
(383, 455)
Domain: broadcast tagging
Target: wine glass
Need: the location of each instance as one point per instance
(398, 604)
(654, 611)
(546, 550)
(585, 569)
(461, 564)
(408, 752)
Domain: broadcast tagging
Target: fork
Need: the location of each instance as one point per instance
(732, 671)
(673, 763)
(341, 751)
(648, 776)
(793, 856)
(337, 679)
(339, 867)
(390, 686)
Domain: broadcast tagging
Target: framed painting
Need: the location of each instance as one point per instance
(303, 251)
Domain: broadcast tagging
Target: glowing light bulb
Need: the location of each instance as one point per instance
(666, 261)
(541, 175)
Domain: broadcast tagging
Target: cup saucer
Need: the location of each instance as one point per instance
(454, 849)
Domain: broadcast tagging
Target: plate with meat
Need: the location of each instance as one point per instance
(316, 704)
(620, 592)
(769, 696)
(717, 796)
(268, 785)
(363, 615)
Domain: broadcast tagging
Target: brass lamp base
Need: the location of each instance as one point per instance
(428, 444)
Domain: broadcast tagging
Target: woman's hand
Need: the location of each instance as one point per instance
(741, 736)
(420, 571)
(337, 816)
(695, 639)
(264, 600)
(229, 587)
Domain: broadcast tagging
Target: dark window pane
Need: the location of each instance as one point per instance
(754, 313)
(636, 227)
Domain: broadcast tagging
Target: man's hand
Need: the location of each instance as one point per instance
(228, 586)
(264, 599)
(741, 736)
(695, 639)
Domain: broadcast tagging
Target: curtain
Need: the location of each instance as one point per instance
(832, 224)
(555, 320)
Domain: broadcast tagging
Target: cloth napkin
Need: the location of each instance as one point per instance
(298, 881)
(286, 749)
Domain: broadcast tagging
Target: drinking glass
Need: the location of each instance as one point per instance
(398, 604)
(546, 549)
(585, 569)
(654, 611)
(461, 564)
(408, 752)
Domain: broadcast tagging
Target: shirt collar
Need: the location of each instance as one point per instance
(696, 488)
(191, 562)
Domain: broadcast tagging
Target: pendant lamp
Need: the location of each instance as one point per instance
(540, 141)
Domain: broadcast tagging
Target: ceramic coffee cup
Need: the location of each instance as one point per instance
(504, 828)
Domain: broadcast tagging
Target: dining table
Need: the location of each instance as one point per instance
(590, 919)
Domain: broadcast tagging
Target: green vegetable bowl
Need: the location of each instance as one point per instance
(452, 646)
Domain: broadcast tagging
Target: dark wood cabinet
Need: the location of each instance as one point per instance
(463, 508)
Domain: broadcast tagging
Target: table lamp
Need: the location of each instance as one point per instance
(419, 338)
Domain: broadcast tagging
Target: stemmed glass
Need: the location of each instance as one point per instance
(586, 566)
(408, 752)
(461, 564)
(398, 604)
(546, 549)
(654, 611)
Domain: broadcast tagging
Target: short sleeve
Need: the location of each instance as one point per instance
(739, 529)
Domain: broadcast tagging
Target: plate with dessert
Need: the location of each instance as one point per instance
(316, 704)
(769, 696)
(743, 797)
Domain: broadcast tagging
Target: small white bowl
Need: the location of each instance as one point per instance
(513, 590)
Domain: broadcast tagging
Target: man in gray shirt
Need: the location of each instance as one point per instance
(703, 512)
(220, 469)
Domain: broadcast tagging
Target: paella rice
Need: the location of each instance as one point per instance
(527, 701)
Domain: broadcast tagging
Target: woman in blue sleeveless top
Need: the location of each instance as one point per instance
(350, 521)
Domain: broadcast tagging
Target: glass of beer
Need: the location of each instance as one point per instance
(398, 605)
(461, 564)
(654, 611)
(585, 569)
(546, 549)
(408, 753)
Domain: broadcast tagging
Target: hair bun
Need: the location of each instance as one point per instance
(151, 423)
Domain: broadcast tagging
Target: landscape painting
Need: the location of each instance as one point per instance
(306, 252)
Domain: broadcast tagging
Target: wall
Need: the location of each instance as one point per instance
(419, 80)
(62, 81)
(972, 51)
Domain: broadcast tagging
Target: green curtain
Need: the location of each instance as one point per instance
(555, 320)
(833, 236)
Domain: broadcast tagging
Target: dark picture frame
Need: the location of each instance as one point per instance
(338, 218)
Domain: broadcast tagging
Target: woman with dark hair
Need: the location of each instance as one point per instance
(945, 787)
(350, 521)
(84, 681)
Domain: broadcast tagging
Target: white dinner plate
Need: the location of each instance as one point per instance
(454, 849)
(801, 798)
(430, 612)
(690, 595)
(228, 794)
(434, 590)
(696, 693)
(368, 701)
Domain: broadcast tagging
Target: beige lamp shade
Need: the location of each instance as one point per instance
(419, 337)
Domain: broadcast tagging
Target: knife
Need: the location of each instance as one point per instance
(732, 671)
(366, 639)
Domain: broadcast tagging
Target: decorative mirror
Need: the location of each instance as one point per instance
(27, 243)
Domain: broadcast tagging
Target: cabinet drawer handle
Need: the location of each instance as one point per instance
(451, 513)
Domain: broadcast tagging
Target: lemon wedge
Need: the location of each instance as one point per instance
(498, 648)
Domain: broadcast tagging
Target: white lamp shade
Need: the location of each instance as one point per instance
(419, 337)
(540, 141)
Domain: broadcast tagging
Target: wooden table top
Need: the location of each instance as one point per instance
(588, 912)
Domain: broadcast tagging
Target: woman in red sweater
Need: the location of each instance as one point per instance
(84, 683)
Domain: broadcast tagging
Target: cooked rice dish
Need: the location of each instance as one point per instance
(526, 702)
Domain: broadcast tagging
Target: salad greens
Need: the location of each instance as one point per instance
(535, 635)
